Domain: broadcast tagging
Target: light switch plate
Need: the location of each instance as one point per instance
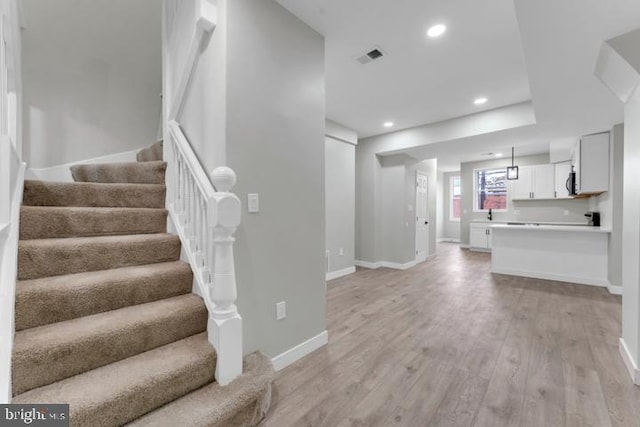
(281, 310)
(253, 203)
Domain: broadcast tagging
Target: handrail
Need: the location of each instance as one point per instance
(201, 208)
(12, 171)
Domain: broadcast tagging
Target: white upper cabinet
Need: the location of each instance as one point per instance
(562, 175)
(591, 164)
(521, 187)
(534, 182)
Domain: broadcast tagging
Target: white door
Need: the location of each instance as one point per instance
(422, 220)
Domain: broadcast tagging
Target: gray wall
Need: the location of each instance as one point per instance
(395, 222)
(450, 229)
(275, 130)
(92, 78)
(631, 228)
(609, 204)
(340, 163)
(530, 210)
(257, 105)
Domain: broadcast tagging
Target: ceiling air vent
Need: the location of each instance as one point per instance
(370, 55)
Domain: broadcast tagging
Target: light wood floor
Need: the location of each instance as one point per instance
(447, 343)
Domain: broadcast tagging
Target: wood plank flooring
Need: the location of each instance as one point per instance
(447, 343)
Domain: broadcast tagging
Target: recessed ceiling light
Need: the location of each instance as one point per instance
(480, 101)
(436, 31)
(387, 124)
(498, 154)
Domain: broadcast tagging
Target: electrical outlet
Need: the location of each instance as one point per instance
(516, 212)
(281, 310)
(566, 212)
(253, 203)
(341, 252)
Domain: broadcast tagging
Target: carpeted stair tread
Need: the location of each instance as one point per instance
(123, 391)
(150, 153)
(41, 193)
(55, 299)
(54, 257)
(133, 172)
(57, 351)
(42, 222)
(241, 403)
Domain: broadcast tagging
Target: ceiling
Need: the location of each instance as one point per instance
(507, 50)
(419, 80)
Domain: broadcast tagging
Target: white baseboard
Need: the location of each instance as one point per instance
(632, 368)
(367, 264)
(285, 359)
(550, 276)
(62, 173)
(387, 264)
(339, 273)
(447, 240)
(464, 246)
(615, 290)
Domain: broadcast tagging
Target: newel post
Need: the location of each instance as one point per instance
(225, 324)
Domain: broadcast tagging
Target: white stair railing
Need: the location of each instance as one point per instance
(202, 209)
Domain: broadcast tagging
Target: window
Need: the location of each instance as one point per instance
(454, 198)
(490, 189)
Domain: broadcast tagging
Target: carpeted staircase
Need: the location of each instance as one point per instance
(105, 317)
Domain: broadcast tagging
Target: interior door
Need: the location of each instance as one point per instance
(422, 220)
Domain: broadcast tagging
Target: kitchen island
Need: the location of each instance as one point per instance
(567, 253)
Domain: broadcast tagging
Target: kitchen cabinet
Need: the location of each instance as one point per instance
(562, 175)
(534, 182)
(591, 164)
(480, 236)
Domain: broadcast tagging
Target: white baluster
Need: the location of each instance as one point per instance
(225, 323)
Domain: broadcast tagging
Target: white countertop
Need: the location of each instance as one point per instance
(550, 227)
(522, 222)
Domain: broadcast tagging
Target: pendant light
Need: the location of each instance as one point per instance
(512, 171)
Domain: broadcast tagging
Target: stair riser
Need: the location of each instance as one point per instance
(37, 193)
(138, 173)
(56, 358)
(44, 222)
(43, 258)
(56, 299)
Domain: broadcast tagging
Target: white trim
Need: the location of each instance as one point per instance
(285, 359)
(387, 264)
(464, 246)
(615, 290)
(367, 264)
(340, 273)
(62, 173)
(632, 368)
(447, 239)
(557, 277)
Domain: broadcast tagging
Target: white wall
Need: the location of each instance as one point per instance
(340, 148)
(92, 78)
(631, 228)
(450, 229)
(529, 210)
